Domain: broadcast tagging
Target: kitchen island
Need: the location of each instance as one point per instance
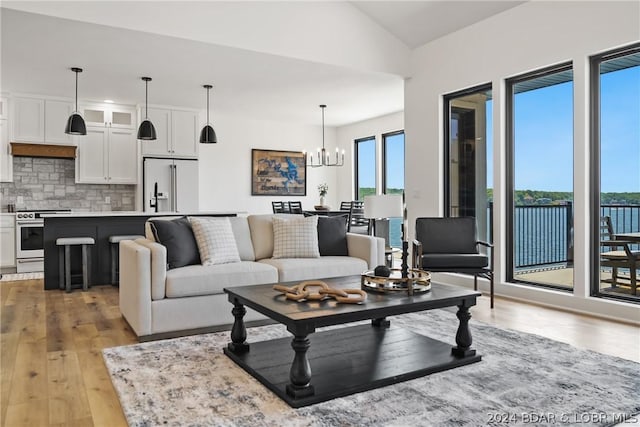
(99, 225)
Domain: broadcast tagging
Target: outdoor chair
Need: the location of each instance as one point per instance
(451, 245)
(357, 222)
(617, 254)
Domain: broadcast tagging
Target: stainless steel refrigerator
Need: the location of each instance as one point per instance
(170, 185)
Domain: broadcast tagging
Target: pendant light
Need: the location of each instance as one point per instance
(146, 131)
(323, 158)
(75, 123)
(208, 135)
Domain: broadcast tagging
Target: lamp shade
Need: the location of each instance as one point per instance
(208, 135)
(146, 131)
(383, 206)
(75, 125)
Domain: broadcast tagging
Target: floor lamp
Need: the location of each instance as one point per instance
(385, 206)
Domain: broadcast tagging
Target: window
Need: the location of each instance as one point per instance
(393, 178)
(468, 153)
(615, 79)
(540, 177)
(365, 167)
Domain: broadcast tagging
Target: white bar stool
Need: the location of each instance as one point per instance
(114, 243)
(64, 256)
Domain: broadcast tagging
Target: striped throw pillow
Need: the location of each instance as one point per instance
(215, 239)
(295, 237)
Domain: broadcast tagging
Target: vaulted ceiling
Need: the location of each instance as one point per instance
(268, 60)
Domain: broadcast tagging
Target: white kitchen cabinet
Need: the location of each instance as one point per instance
(107, 156)
(110, 115)
(38, 120)
(28, 119)
(6, 159)
(56, 115)
(7, 240)
(176, 131)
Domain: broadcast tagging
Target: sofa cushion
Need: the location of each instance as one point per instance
(290, 269)
(212, 279)
(148, 233)
(215, 239)
(295, 237)
(261, 227)
(240, 227)
(332, 235)
(176, 235)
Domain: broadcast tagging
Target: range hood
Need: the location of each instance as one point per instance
(24, 149)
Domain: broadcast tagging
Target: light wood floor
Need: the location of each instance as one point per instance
(52, 372)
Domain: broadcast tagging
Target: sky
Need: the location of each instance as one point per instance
(544, 139)
(544, 135)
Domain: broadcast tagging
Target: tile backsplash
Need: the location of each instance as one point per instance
(50, 184)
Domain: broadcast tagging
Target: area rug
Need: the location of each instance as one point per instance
(10, 277)
(523, 379)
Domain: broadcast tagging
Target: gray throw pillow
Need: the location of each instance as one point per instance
(332, 236)
(177, 236)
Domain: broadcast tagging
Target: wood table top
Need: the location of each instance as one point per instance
(266, 300)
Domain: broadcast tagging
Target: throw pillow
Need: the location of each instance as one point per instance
(332, 236)
(295, 237)
(176, 235)
(215, 239)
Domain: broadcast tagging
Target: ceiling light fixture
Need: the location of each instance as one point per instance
(146, 131)
(323, 158)
(75, 123)
(208, 135)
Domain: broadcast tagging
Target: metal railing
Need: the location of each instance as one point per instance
(543, 234)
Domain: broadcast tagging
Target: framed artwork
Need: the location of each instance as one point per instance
(278, 173)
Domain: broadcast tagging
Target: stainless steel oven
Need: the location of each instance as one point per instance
(30, 240)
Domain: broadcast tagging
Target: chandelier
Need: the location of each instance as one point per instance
(322, 158)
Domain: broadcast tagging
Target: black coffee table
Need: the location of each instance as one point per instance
(343, 361)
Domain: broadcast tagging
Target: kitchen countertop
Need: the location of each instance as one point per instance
(133, 213)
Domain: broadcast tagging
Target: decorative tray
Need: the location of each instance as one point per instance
(419, 280)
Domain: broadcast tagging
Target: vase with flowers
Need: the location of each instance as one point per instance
(322, 190)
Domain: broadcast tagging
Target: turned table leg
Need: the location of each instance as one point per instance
(238, 331)
(300, 373)
(463, 336)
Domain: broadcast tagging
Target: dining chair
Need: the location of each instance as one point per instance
(280, 207)
(357, 222)
(295, 207)
(617, 254)
(451, 245)
(345, 206)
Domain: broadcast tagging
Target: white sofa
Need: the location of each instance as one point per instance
(159, 303)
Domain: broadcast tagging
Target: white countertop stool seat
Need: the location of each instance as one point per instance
(64, 244)
(114, 242)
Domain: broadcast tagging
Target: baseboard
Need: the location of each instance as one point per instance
(198, 331)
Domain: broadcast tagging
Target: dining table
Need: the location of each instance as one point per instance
(322, 212)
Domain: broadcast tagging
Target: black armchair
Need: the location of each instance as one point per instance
(451, 245)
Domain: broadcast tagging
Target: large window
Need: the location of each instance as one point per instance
(365, 167)
(615, 78)
(468, 153)
(393, 177)
(540, 177)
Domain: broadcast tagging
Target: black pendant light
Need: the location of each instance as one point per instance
(208, 135)
(75, 124)
(146, 131)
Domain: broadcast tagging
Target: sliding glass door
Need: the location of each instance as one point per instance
(540, 177)
(616, 155)
(468, 154)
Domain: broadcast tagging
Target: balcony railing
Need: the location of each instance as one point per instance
(543, 234)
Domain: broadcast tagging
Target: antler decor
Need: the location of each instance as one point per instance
(301, 292)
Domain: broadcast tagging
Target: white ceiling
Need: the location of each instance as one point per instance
(260, 71)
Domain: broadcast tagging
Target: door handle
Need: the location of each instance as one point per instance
(24, 261)
(175, 186)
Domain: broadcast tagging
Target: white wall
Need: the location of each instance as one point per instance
(346, 135)
(528, 37)
(225, 167)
